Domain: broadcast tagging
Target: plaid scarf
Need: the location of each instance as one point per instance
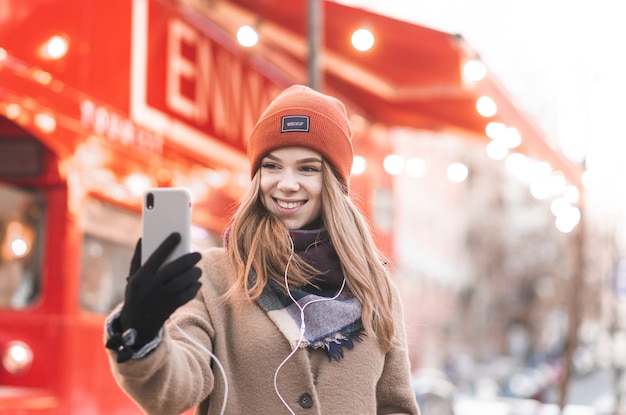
(331, 321)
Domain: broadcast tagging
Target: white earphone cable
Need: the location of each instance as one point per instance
(295, 349)
(219, 364)
(302, 324)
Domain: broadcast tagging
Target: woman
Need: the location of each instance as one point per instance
(296, 314)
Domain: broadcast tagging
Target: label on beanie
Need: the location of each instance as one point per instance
(295, 123)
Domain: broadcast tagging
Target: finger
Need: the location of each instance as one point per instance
(135, 263)
(178, 266)
(189, 294)
(160, 254)
(182, 281)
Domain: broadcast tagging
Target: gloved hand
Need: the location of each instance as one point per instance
(153, 291)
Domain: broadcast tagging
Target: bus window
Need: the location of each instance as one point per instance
(104, 269)
(21, 228)
(109, 237)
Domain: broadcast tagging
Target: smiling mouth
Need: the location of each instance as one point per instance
(289, 205)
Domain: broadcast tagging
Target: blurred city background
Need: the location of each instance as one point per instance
(491, 285)
(488, 135)
(504, 285)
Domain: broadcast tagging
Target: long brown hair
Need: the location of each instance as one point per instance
(259, 241)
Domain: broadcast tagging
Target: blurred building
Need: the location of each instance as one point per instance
(485, 273)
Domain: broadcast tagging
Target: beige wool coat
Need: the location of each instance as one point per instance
(178, 375)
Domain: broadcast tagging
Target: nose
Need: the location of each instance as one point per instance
(288, 182)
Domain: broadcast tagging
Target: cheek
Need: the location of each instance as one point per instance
(316, 193)
(264, 186)
(315, 188)
(263, 192)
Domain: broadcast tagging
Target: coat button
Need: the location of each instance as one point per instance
(306, 400)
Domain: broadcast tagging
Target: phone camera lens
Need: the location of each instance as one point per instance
(150, 200)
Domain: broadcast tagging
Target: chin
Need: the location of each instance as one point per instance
(294, 225)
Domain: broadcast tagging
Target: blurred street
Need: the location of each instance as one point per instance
(591, 394)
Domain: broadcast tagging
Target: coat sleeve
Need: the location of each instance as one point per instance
(395, 394)
(177, 374)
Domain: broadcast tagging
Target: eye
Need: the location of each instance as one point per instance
(310, 169)
(270, 166)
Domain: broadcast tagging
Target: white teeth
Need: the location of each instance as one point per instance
(288, 205)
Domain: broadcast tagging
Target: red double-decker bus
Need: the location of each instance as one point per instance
(99, 101)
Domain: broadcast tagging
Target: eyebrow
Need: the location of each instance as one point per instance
(301, 161)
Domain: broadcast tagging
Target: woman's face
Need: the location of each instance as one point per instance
(291, 185)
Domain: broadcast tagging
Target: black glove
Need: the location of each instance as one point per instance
(153, 291)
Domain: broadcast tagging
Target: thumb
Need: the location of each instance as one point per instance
(135, 263)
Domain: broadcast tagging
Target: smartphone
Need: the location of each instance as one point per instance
(165, 210)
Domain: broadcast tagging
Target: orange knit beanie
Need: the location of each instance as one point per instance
(302, 117)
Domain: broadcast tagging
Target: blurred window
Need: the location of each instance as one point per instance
(21, 226)
(109, 237)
